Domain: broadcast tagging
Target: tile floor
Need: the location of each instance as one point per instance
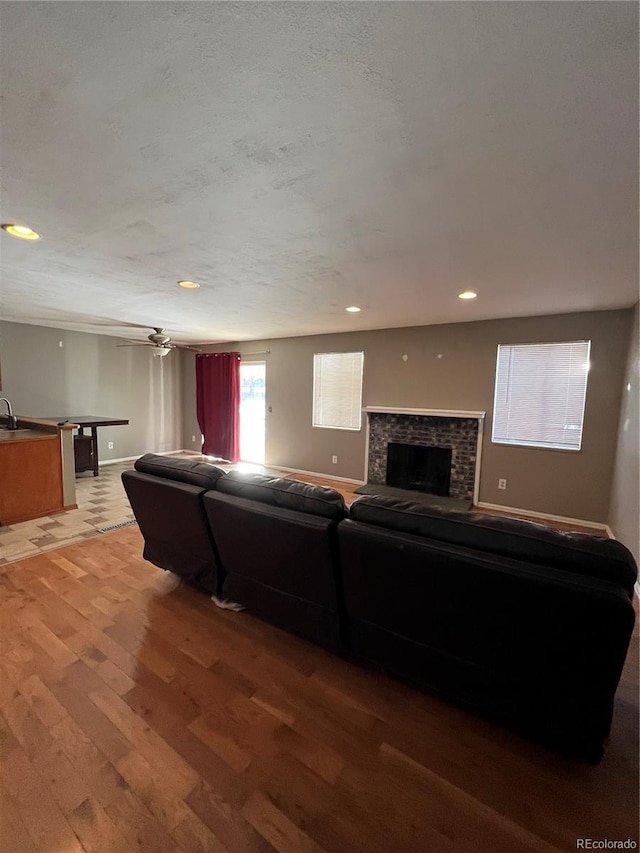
(101, 501)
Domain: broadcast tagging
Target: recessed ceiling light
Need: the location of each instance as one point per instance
(353, 309)
(190, 285)
(20, 231)
(467, 294)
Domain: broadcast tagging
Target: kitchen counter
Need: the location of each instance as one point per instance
(36, 470)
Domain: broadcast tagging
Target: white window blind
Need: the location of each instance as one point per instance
(337, 390)
(540, 394)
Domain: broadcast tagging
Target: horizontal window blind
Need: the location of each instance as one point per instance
(337, 390)
(540, 394)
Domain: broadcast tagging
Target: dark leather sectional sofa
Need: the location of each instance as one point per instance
(525, 625)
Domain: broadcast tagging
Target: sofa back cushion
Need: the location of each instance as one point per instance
(280, 563)
(286, 494)
(474, 605)
(280, 548)
(166, 498)
(200, 474)
(508, 537)
(533, 647)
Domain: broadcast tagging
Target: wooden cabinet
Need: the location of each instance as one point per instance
(30, 479)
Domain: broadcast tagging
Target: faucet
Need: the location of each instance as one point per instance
(12, 419)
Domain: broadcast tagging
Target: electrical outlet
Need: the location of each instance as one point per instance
(110, 445)
(334, 459)
(502, 484)
(193, 439)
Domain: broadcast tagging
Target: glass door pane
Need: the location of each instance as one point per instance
(252, 411)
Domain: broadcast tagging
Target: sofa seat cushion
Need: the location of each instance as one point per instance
(595, 556)
(285, 494)
(187, 471)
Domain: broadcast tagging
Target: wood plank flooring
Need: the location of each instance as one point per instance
(135, 715)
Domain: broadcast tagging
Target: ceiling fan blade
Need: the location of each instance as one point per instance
(158, 341)
(185, 346)
(78, 320)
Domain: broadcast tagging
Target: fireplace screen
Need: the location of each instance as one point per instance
(422, 469)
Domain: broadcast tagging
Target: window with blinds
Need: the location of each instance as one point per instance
(337, 390)
(540, 394)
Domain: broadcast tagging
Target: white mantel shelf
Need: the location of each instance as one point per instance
(430, 413)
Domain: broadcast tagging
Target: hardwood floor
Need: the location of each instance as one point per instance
(135, 715)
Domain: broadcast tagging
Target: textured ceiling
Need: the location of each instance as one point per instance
(296, 158)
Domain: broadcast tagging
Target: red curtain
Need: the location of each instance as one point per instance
(218, 403)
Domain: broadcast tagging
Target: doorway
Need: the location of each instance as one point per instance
(252, 411)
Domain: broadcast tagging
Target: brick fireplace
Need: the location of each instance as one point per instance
(459, 431)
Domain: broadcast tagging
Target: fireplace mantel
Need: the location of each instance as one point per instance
(430, 413)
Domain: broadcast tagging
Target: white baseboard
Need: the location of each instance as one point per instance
(315, 474)
(545, 515)
(102, 462)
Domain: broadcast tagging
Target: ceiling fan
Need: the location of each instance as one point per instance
(160, 342)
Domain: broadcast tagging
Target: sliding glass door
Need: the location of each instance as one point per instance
(252, 411)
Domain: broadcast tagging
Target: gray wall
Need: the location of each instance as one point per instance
(576, 485)
(624, 515)
(89, 375)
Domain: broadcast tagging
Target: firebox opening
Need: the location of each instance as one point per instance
(421, 469)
